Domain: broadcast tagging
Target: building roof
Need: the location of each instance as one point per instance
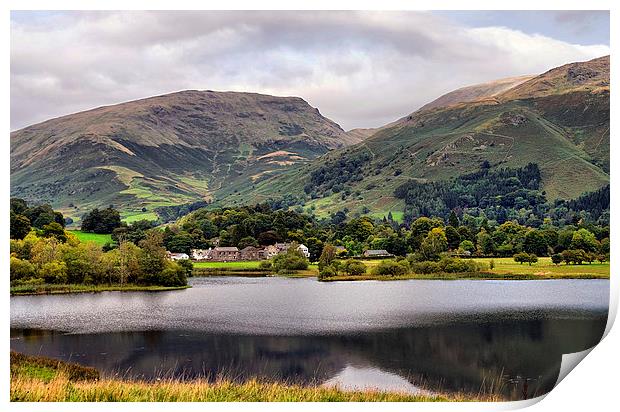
(377, 252)
(250, 249)
(226, 249)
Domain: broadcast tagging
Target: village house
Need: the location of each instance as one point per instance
(304, 249)
(377, 254)
(225, 254)
(284, 247)
(250, 253)
(177, 256)
(270, 251)
(201, 254)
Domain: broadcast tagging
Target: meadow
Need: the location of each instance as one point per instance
(544, 267)
(100, 239)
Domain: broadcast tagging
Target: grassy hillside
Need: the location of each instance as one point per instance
(563, 128)
(166, 150)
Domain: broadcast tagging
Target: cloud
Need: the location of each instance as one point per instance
(361, 69)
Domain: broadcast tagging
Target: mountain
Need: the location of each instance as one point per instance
(165, 150)
(476, 92)
(558, 120)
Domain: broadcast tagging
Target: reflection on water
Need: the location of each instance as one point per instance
(405, 335)
(465, 357)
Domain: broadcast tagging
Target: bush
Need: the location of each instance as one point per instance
(326, 272)
(524, 257)
(54, 272)
(265, 264)
(391, 268)
(21, 269)
(172, 275)
(491, 264)
(354, 267)
(557, 258)
(292, 260)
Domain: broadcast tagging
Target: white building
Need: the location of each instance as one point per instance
(177, 256)
(304, 249)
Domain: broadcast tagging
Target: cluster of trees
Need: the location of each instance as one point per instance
(41, 217)
(38, 259)
(334, 174)
(427, 238)
(330, 265)
(44, 252)
(501, 195)
(101, 221)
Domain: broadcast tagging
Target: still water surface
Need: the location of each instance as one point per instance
(399, 335)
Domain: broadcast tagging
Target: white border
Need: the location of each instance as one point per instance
(593, 384)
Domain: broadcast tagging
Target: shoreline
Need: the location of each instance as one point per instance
(47, 289)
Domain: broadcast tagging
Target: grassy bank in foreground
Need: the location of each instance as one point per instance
(45, 289)
(37, 379)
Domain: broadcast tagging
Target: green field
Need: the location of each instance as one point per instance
(251, 264)
(100, 239)
(130, 217)
(544, 267)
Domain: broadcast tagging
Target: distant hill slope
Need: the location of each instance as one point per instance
(168, 149)
(475, 92)
(559, 120)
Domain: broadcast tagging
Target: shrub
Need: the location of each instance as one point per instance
(557, 258)
(265, 264)
(326, 272)
(390, 268)
(524, 257)
(354, 267)
(21, 269)
(54, 272)
(292, 260)
(491, 264)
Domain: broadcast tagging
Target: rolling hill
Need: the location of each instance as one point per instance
(166, 150)
(559, 120)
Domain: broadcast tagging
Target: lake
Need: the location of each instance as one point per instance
(506, 337)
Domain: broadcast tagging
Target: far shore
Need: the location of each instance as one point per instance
(47, 289)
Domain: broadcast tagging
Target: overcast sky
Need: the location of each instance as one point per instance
(361, 69)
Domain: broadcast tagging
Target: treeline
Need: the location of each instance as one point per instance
(509, 194)
(48, 254)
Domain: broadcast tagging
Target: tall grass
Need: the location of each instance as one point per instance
(39, 379)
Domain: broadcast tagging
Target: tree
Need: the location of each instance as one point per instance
(327, 256)
(19, 226)
(486, 246)
(535, 243)
(574, 256)
(292, 260)
(21, 269)
(434, 243)
(54, 272)
(152, 255)
(453, 220)
(467, 246)
(453, 236)
(524, 257)
(315, 247)
(354, 267)
(54, 230)
(557, 258)
(247, 241)
(585, 240)
(101, 221)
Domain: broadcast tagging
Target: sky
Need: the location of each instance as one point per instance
(360, 69)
